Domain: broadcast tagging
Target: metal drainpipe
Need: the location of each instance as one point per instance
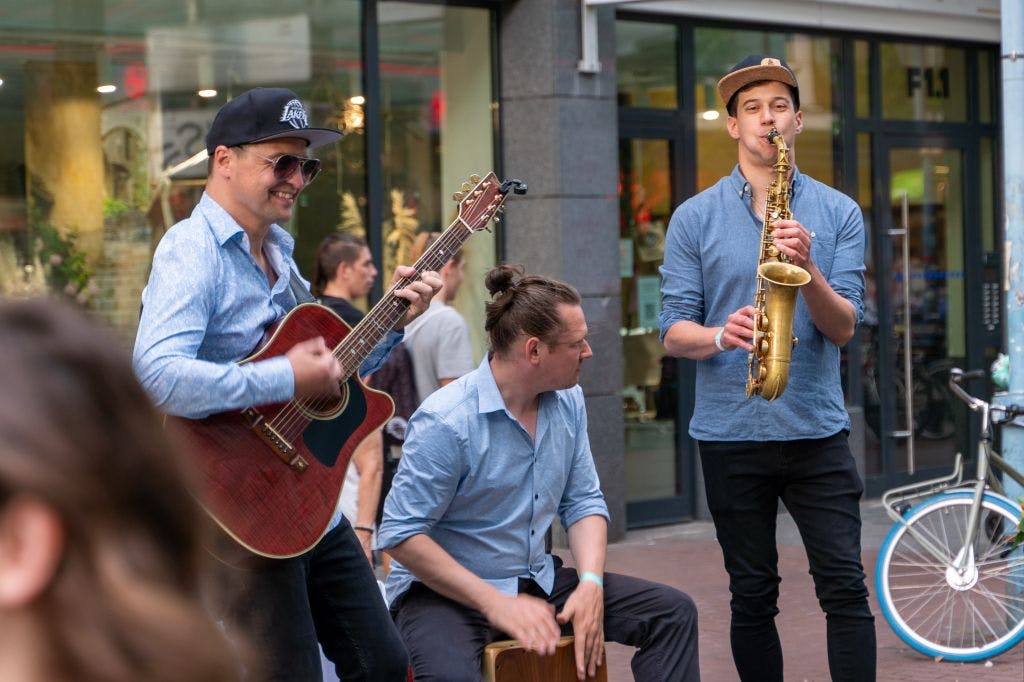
(1012, 13)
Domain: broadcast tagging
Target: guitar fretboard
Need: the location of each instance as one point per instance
(372, 329)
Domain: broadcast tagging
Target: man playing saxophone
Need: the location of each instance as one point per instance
(794, 448)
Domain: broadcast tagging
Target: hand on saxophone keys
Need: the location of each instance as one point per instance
(738, 331)
(794, 241)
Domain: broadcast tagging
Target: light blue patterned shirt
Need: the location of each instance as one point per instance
(473, 480)
(206, 307)
(711, 254)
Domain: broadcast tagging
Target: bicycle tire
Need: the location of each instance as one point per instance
(968, 622)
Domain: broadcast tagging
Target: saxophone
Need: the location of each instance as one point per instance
(775, 294)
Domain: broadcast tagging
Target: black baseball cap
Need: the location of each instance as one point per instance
(754, 68)
(263, 114)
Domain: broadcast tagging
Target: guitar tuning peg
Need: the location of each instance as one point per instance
(474, 178)
(458, 196)
(466, 187)
(496, 219)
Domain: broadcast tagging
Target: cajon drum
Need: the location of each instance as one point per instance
(507, 661)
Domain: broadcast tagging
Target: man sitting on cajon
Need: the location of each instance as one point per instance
(487, 463)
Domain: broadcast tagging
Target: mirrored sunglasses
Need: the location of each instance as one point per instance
(285, 165)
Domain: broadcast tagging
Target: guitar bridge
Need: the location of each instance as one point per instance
(272, 437)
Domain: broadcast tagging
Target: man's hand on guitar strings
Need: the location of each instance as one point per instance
(417, 293)
(317, 371)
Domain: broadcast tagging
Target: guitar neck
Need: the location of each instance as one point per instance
(383, 317)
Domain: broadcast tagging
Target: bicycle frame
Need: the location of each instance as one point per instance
(897, 497)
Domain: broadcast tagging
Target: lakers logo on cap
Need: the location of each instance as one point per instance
(294, 114)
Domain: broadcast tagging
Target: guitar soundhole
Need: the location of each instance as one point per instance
(325, 408)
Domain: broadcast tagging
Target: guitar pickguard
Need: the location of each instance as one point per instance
(323, 436)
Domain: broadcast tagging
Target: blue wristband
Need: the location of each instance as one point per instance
(591, 577)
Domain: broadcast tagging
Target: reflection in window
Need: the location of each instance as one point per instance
(436, 90)
(646, 64)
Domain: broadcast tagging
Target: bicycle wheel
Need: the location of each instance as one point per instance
(938, 612)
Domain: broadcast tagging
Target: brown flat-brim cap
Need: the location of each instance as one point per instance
(754, 68)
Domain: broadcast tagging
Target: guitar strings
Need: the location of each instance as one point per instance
(295, 415)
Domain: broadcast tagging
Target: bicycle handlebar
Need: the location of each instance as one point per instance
(1007, 412)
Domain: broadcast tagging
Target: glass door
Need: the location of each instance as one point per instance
(915, 312)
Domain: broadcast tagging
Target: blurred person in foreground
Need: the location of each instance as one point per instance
(488, 462)
(101, 561)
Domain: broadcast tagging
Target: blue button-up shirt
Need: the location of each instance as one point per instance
(473, 480)
(711, 255)
(207, 306)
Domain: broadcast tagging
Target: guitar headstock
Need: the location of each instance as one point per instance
(482, 199)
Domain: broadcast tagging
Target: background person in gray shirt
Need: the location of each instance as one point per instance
(438, 340)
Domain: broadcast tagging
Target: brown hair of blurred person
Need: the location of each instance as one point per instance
(523, 305)
(101, 560)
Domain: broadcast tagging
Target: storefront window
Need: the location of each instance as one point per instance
(649, 389)
(105, 107)
(645, 55)
(923, 82)
(436, 93)
(986, 76)
(862, 77)
(717, 50)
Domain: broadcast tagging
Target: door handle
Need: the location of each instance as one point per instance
(908, 387)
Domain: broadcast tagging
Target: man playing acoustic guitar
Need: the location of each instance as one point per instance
(219, 279)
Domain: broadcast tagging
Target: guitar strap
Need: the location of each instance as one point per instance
(300, 292)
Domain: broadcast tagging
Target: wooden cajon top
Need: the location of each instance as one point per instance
(507, 661)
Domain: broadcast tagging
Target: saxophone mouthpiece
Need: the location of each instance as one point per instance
(772, 134)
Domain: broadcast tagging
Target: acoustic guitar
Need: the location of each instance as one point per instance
(271, 475)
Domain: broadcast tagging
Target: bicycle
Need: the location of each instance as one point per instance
(950, 574)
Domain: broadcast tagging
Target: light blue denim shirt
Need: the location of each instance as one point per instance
(473, 480)
(206, 307)
(711, 254)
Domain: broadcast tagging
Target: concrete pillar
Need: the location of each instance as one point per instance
(560, 135)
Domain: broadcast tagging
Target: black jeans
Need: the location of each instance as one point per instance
(446, 640)
(284, 606)
(817, 481)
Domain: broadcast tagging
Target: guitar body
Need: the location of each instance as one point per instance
(270, 506)
(271, 475)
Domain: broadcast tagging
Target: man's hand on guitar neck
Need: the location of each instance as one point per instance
(417, 293)
(317, 371)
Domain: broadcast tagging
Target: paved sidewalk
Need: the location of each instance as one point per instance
(687, 556)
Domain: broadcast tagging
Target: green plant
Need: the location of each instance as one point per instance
(67, 270)
(114, 208)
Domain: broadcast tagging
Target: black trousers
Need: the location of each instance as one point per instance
(818, 482)
(446, 640)
(284, 606)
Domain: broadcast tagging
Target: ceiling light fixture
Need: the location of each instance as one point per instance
(106, 89)
(207, 93)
